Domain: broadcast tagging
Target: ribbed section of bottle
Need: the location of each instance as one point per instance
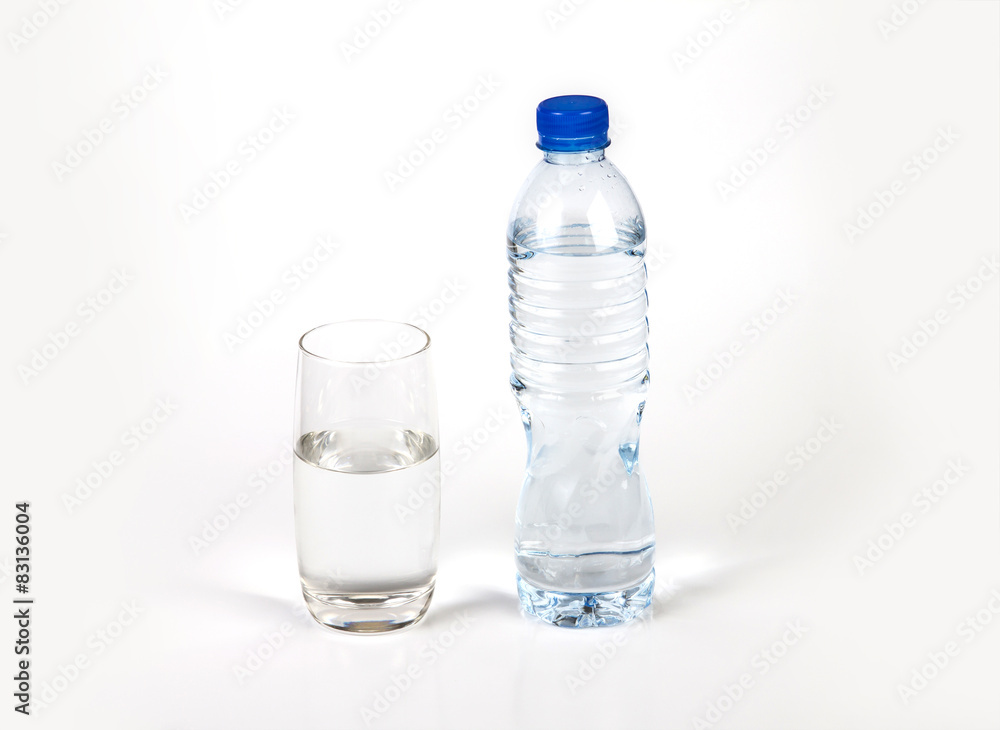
(579, 357)
(595, 318)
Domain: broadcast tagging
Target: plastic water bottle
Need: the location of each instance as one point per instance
(584, 537)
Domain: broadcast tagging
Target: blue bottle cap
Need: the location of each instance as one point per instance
(572, 124)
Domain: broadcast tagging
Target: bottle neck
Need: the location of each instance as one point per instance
(574, 158)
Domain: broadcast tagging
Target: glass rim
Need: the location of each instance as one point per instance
(386, 359)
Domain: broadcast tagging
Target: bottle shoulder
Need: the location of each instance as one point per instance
(594, 194)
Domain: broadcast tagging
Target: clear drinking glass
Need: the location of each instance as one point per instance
(367, 474)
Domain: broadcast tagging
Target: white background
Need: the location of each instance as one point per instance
(205, 612)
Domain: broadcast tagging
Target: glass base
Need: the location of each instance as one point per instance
(583, 610)
(369, 613)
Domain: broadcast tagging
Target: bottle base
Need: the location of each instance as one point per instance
(584, 610)
(369, 613)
